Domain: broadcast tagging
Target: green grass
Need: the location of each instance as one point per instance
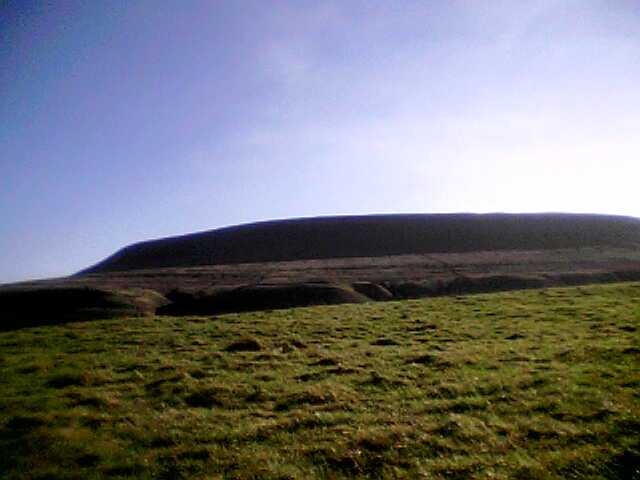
(525, 385)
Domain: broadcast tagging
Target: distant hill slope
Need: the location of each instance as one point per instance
(375, 236)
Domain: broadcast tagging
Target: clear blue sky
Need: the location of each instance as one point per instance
(122, 121)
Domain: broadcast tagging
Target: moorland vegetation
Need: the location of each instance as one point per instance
(535, 384)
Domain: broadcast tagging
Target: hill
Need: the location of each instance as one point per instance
(319, 261)
(30, 307)
(374, 236)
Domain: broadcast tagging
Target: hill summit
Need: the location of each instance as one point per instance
(375, 236)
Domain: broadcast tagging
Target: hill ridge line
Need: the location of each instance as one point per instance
(375, 235)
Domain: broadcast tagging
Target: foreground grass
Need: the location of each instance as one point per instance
(534, 384)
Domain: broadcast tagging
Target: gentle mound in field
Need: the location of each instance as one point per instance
(259, 297)
(47, 306)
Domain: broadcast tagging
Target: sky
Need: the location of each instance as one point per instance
(123, 121)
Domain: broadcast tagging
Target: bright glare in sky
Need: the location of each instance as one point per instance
(125, 121)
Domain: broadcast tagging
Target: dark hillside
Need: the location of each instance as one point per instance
(375, 236)
(51, 306)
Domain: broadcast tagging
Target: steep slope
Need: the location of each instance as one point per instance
(375, 236)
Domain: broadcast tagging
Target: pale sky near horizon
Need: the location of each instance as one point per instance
(122, 121)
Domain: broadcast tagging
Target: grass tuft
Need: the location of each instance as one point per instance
(246, 344)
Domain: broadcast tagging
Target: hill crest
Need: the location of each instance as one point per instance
(374, 236)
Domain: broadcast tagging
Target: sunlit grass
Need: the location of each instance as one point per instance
(535, 384)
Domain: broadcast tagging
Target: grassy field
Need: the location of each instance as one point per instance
(528, 385)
